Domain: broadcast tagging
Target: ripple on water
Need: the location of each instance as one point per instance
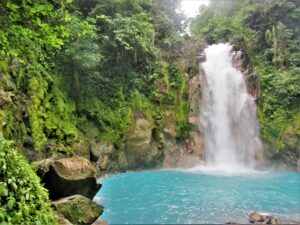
(197, 196)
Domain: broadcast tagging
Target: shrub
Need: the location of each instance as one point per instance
(23, 199)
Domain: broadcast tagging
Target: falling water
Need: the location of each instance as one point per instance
(231, 128)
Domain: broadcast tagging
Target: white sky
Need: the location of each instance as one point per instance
(190, 7)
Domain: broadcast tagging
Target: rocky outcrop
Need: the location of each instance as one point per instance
(78, 209)
(100, 150)
(196, 137)
(82, 148)
(251, 78)
(138, 142)
(65, 177)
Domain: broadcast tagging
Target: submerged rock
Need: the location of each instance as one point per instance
(69, 176)
(256, 217)
(270, 220)
(78, 209)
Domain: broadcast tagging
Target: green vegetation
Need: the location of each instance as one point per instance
(23, 199)
(68, 64)
(68, 67)
(268, 32)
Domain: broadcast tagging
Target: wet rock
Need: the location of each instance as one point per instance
(195, 145)
(251, 78)
(69, 176)
(100, 149)
(78, 209)
(138, 142)
(270, 220)
(169, 132)
(103, 162)
(256, 217)
(100, 222)
(83, 149)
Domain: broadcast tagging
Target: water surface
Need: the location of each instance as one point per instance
(194, 196)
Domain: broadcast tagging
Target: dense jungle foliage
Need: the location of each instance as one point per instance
(269, 33)
(23, 199)
(68, 67)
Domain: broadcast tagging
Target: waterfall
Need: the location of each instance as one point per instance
(228, 112)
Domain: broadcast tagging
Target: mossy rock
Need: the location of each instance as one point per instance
(69, 176)
(78, 209)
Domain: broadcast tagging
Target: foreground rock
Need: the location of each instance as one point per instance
(78, 209)
(258, 218)
(69, 176)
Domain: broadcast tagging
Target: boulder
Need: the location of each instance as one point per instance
(78, 209)
(138, 142)
(255, 217)
(69, 176)
(270, 220)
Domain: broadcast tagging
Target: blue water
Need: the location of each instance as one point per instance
(178, 196)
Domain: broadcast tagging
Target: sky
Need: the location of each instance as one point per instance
(190, 7)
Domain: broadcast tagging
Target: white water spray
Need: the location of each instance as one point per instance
(228, 112)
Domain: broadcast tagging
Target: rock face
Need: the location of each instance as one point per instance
(138, 142)
(196, 146)
(83, 149)
(251, 78)
(78, 209)
(65, 177)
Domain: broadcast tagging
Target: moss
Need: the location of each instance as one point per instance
(37, 87)
(60, 122)
(4, 66)
(79, 210)
(179, 90)
(112, 123)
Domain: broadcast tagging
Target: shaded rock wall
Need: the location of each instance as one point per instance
(252, 80)
(195, 97)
